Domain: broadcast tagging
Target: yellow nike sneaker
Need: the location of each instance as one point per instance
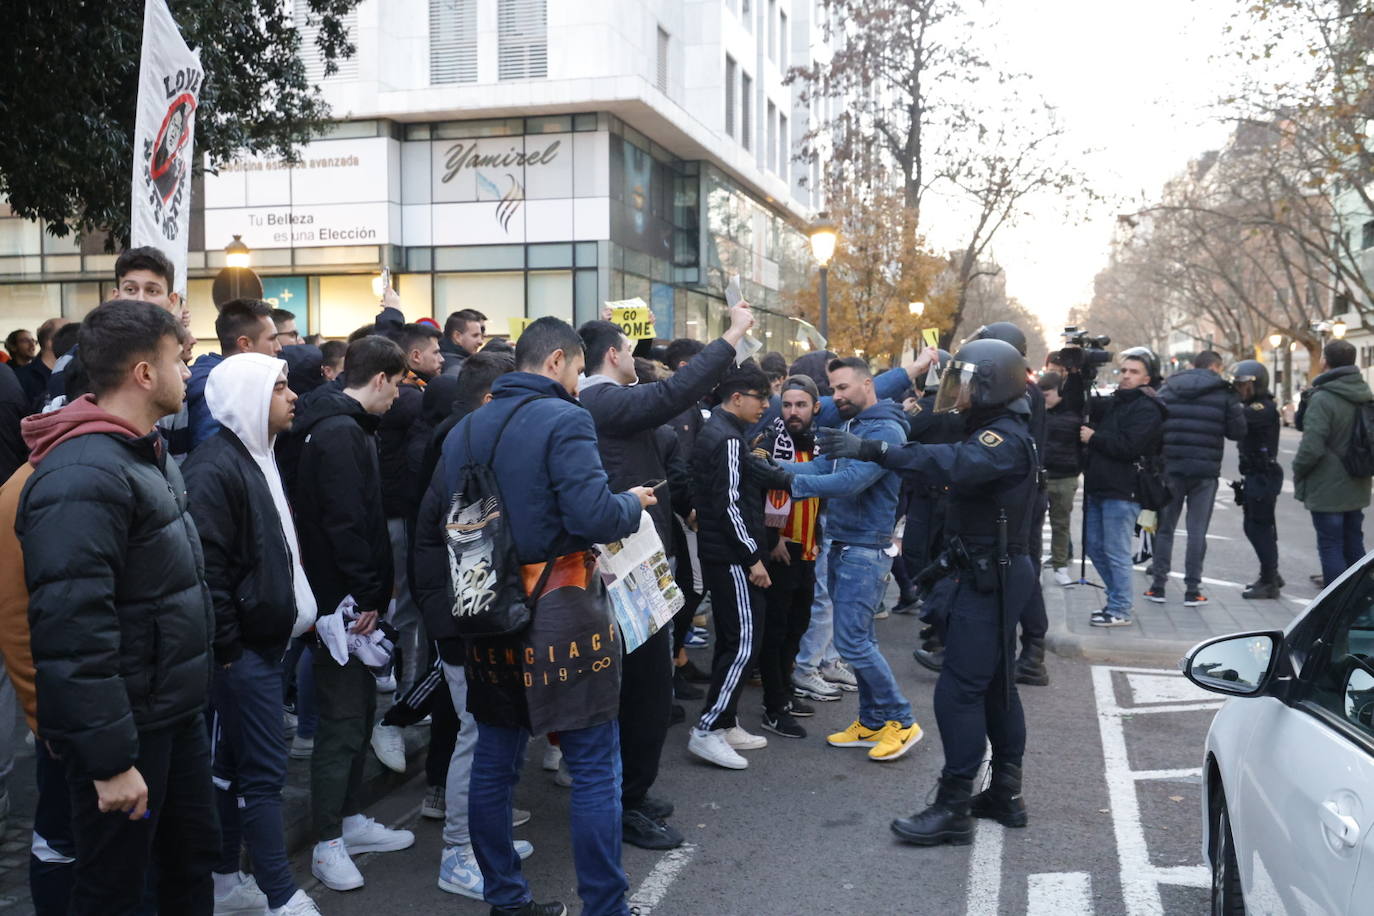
(856, 735)
(894, 741)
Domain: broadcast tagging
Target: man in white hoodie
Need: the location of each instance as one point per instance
(261, 602)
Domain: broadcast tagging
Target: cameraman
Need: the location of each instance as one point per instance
(1125, 428)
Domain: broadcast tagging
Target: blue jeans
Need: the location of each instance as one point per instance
(818, 642)
(1340, 541)
(1110, 525)
(856, 585)
(593, 756)
(248, 759)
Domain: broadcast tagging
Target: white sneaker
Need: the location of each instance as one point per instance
(713, 748)
(363, 834)
(300, 904)
(742, 740)
(811, 686)
(564, 775)
(389, 744)
(553, 754)
(1061, 576)
(302, 748)
(244, 898)
(334, 868)
(838, 674)
(289, 722)
(387, 684)
(519, 817)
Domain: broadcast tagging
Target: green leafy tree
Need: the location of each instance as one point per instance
(69, 96)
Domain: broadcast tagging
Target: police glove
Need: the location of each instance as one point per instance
(836, 444)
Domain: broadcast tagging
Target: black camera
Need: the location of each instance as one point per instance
(1083, 353)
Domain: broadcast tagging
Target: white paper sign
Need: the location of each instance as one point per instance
(169, 83)
(640, 583)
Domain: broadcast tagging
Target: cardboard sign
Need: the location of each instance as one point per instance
(931, 336)
(634, 318)
(517, 327)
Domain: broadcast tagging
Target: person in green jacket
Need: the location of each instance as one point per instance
(1335, 499)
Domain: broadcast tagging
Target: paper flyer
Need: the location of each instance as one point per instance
(640, 583)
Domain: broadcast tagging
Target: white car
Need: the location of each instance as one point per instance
(1288, 778)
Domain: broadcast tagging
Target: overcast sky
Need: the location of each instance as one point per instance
(1134, 83)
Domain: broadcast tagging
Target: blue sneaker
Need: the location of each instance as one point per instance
(459, 873)
(698, 638)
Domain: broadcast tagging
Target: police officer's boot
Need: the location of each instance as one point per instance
(931, 654)
(1030, 667)
(1001, 801)
(946, 821)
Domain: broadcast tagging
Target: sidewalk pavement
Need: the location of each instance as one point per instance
(1162, 633)
(378, 781)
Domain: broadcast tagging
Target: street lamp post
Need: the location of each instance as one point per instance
(237, 280)
(823, 237)
(1274, 341)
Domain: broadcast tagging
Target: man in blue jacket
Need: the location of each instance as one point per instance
(859, 523)
(542, 446)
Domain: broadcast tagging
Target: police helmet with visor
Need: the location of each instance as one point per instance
(1251, 378)
(984, 373)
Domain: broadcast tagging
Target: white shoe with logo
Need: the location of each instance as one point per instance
(389, 744)
(742, 740)
(244, 898)
(334, 868)
(300, 904)
(713, 748)
(363, 834)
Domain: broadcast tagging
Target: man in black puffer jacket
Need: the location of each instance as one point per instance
(1125, 429)
(1203, 413)
(120, 621)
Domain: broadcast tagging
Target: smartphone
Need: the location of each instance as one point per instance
(386, 278)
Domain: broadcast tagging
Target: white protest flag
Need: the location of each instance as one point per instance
(169, 81)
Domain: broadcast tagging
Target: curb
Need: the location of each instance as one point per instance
(1138, 650)
(378, 782)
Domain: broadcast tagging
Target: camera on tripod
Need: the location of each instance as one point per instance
(1083, 353)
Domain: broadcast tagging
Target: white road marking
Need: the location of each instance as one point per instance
(985, 869)
(660, 879)
(1140, 880)
(1164, 688)
(1062, 893)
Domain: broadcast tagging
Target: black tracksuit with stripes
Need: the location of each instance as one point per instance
(729, 487)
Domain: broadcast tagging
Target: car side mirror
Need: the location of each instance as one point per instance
(1238, 665)
(1359, 696)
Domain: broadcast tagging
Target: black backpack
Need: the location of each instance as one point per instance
(1359, 452)
(486, 590)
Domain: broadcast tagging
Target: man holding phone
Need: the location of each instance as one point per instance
(627, 417)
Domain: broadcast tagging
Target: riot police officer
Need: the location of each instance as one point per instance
(993, 479)
(1261, 474)
(1035, 623)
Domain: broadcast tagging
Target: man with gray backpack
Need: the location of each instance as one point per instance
(1337, 407)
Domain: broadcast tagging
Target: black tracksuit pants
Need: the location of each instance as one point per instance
(737, 607)
(787, 615)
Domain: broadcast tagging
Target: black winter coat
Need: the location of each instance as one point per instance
(337, 498)
(14, 406)
(1063, 451)
(730, 486)
(1127, 427)
(247, 561)
(1203, 413)
(627, 419)
(393, 437)
(119, 614)
(1260, 447)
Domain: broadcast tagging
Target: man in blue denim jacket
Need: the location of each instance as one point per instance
(862, 506)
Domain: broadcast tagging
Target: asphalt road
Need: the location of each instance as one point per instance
(1111, 781)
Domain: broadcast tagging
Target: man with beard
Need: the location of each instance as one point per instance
(791, 563)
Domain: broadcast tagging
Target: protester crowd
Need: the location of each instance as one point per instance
(225, 561)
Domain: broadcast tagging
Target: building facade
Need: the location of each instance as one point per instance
(520, 157)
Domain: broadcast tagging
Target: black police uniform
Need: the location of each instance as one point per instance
(1263, 478)
(995, 469)
(1035, 622)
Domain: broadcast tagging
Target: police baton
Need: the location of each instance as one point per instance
(1003, 563)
